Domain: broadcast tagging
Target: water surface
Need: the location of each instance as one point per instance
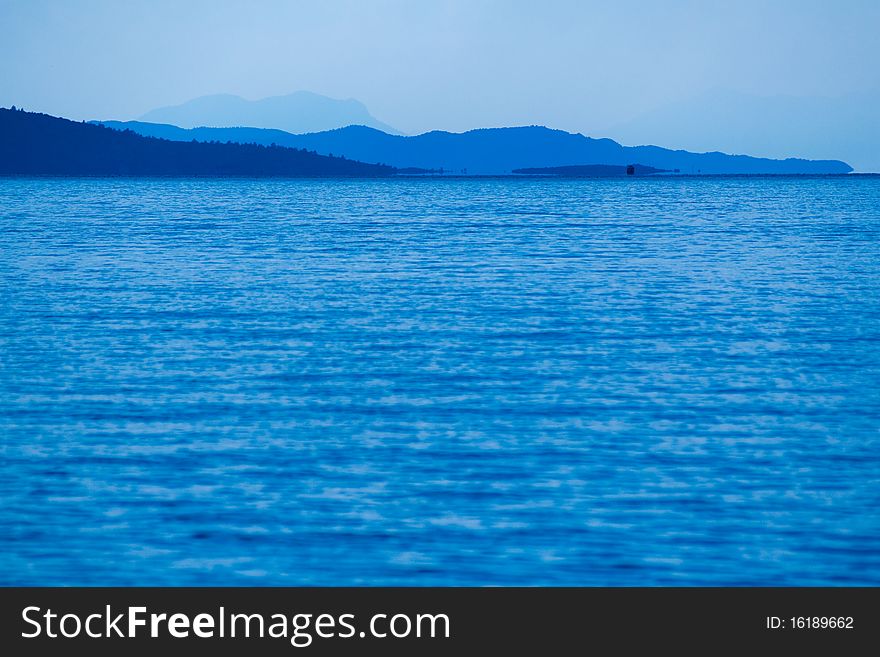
(649, 381)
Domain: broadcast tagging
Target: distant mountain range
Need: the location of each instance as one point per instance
(40, 144)
(490, 151)
(299, 112)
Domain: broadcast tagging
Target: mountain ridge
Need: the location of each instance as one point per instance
(298, 112)
(492, 151)
(40, 144)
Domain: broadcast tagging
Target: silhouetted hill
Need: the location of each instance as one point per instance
(590, 171)
(41, 144)
(495, 150)
(301, 111)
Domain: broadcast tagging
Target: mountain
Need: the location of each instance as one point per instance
(40, 144)
(298, 112)
(813, 127)
(493, 150)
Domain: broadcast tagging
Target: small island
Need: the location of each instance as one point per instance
(591, 170)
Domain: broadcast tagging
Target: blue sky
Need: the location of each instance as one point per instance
(591, 67)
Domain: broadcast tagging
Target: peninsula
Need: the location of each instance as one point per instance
(40, 144)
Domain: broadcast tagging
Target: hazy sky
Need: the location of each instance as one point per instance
(419, 65)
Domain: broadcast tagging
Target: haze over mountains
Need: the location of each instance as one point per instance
(772, 126)
(301, 111)
(323, 126)
(490, 151)
(306, 120)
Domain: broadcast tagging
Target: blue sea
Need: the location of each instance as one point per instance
(650, 381)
